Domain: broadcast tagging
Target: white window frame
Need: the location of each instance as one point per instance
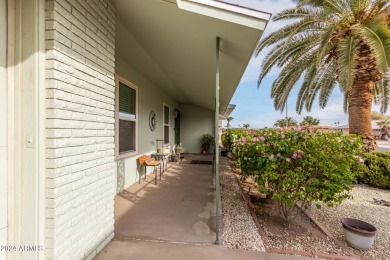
(121, 116)
(169, 124)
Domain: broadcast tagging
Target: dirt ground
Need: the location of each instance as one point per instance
(301, 234)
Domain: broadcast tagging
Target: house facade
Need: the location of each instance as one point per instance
(376, 129)
(86, 87)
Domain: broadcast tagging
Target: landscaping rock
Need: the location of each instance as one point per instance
(361, 207)
(239, 230)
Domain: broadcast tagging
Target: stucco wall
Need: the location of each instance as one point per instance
(80, 44)
(195, 122)
(3, 128)
(150, 98)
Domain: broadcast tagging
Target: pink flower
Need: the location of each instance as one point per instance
(262, 138)
(279, 155)
(271, 157)
(351, 140)
(288, 159)
(255, 139)
(294, 155)
(283, 136)
(299, 156)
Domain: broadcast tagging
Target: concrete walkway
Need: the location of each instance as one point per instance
(383, 145)
(174, 219)
(140, 250)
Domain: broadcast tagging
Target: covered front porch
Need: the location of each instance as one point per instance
(186, 56)
(180, 208)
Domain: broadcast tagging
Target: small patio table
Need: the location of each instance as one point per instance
(162, 157)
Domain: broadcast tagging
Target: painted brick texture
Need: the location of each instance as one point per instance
(81, 182)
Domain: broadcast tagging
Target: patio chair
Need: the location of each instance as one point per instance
(147, 160)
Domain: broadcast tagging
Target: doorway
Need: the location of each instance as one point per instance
(177, 126)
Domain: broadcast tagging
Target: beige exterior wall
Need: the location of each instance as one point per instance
(80, 84)
(150, 98)
(3, 129)
(195, 122)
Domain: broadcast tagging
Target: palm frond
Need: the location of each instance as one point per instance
(292, 13)
(347, 62)
(377, 34)
(345, 102)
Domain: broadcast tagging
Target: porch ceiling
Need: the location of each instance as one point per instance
(173, 44)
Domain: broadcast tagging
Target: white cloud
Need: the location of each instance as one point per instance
(331, 114)
(328, 116)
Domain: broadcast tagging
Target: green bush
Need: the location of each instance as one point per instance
(377, 170)
(299, 165)
(224, 141)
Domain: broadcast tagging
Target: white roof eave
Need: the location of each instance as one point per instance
(227, 12)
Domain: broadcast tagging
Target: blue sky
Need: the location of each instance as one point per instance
(254, 105)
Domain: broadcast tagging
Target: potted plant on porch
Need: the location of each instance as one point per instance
(175, 157)
(179, 149)
(207, 142)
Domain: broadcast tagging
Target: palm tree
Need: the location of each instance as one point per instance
(246, 126)
(309, 120)
(228, 121)
(378, 116)
(330, 42)
(282, 122)
(384, 125)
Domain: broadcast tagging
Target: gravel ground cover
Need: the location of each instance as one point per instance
(239, 231)
(299, 236)
(361, 207)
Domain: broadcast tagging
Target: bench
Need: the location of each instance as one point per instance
(148, 161)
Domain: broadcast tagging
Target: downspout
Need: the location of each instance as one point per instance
(216, 143)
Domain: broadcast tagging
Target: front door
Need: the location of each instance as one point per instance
(177, 127)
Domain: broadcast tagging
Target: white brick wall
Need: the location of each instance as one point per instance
(80, 184)
(3, 129)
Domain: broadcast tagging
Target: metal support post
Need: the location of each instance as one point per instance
(217, 144)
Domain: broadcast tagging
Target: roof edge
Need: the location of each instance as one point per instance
(228, 12)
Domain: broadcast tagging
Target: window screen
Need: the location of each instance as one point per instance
(126, 99)
(127, 121)
(126, 136)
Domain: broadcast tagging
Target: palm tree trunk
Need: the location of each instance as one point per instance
(359, 109)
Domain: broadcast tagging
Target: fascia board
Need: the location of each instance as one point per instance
(234, 14)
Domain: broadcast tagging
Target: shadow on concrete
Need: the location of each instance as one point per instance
(180, 208)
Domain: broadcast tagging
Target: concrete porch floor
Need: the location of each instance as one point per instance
(180, 208)
(174, 219)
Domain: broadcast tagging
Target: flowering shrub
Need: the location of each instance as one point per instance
(299, 165)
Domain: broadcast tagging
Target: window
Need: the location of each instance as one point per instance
(125, 118)
(166, 124)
